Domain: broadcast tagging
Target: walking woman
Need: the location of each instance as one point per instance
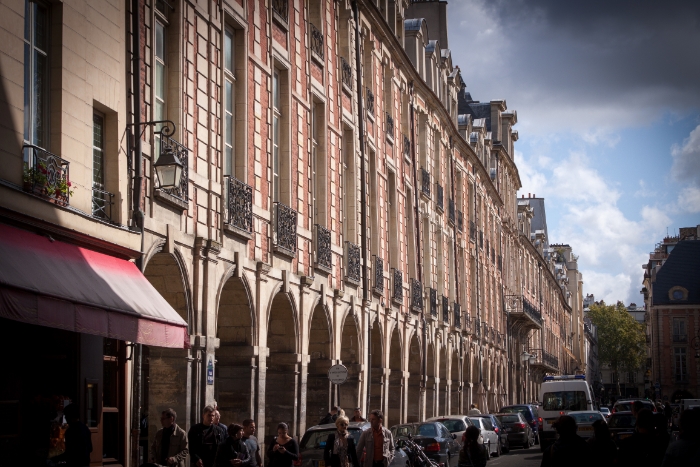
(233, 451)
(340, 446)
(472, 453)
(284, 450)
(602, 448)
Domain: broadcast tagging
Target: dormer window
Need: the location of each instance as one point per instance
(678, 293)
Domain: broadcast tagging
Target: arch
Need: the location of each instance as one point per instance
(350, 356)
(162, 366)
(283, 365)
(415, 359)
(443, 394)
(455, 388)
(377, 368)
(430, 387)
(318, 388)
(395, 395)
(235, 368)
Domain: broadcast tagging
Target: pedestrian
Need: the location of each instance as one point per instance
(472, 453)
(661, 435)
(569, 449)
(474, 410)
(636, 407)
(330, 416)
(640, 449)
(251, 442)
(233, 451)
(217, 422)
(283, 450)
(340, 446)
(685, 452)
(377, 443)
(205, 438)
(169, 446)
(357, 417)
(668, 413)
(603, 450)
(78, 440)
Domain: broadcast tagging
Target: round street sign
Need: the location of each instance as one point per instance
(338, 374)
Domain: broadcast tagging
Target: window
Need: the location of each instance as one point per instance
(679, 364)
(349, 190)
(564, 400)
(36, 73)
(98, 162)
(393, 222)
(229, 103)
(159, 86)
(276, 133)
(318, 165)
(679, 330)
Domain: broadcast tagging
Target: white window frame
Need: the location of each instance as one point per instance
(36, 111)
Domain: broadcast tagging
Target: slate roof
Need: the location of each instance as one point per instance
(466, 105)
(413, 24)
(681, 268)
(539, 218)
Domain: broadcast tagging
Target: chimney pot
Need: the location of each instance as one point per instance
(529, 195)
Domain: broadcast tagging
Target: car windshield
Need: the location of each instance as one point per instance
(453, 425)
(425, 429)
(627, 406)
(564, 400)
(508, 418)
(317, 439)
(588, 417)
(621, 421)
(519, 409)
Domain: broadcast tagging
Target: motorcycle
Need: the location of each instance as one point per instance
(415, 453)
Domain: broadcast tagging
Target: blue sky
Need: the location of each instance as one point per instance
(608, 102)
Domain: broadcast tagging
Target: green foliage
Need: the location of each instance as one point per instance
(621, 341)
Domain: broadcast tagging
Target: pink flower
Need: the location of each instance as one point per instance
(69, 184)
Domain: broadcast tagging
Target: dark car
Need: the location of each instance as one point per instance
(621, 425)
(519, 432)
(435, 439)
(625, 405)
(493, 422)
(314, 440)
(531, 416)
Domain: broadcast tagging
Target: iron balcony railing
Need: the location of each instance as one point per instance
(353, 263)
(378, 274)
(324, 256)
(46, 175)
(457, 310)
(102, 202)
(239, 205)
(451, 210)
(370, 102)
(532, 311)
(285, 228)
(477, 326)
(440, 197)
(406, 147)
(460, 221)
(316, 41)
(397, 286)
(472, 230)
(433, 302)
(346, 73)
(416, 295)
(281, 7)
(389, 126)
(425, 182)
(445, 309)
(181, 191)
(481, 238)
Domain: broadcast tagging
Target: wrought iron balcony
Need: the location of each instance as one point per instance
(433, 303)
(532, 311)
(440, 197)
(102, 202)
(416, 295)
(445, 309)
(346, 73)
(472, 230)
(353, 263)
(239, 205)
(389, 126)
(451, 210)
(370, 102)
(477, 326)
(457, 310)
(316, 42)
(285, 229)
(397, 286)
(378, 274)
(545, 360)
(281, 7)
(406, 147)
(523, 312)
(324, 256)
(460, 221)
(467, 323)
(181, 191)
(46, 175)
(425, 182)
(680, 338)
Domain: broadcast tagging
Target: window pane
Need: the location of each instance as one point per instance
(39, 85)
(276, 91)
(27, 92)
(160, 41)
(27, 20)
(228, 159)
(40, 29)
(228, 51)
(229, 130)
(229, 96)
(160, 82)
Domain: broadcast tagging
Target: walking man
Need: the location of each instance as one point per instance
(251, 442)
(204, 439)
(358, 416)
(169, 447)
(377, 443)
(330, 416)
(474, 410)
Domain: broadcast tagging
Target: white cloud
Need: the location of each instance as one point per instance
(607, 286)
(689, 200)
(686, 159)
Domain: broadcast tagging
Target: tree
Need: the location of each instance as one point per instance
(621, 341)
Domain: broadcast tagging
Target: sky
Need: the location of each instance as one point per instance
(607, 95)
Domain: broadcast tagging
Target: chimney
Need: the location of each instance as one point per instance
(529, 195)
(435, 14)
(534, 195)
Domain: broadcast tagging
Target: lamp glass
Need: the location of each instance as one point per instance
(168, 168)
(524, 356)
(532, 359)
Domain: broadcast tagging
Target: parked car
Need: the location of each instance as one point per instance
(531, 415)
(621, 425)
(584, 421)
(455, 424)
(490, 419)
(314, 440)
(435, 439)
(492, 441)
(519, 432)
(605, 411)
(625, 405)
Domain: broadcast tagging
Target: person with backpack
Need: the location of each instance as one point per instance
(472, 453)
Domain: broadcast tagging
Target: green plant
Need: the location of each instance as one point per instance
(38, 178)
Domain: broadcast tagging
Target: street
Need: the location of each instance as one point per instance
(518, 457)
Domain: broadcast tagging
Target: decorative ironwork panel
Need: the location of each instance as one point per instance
(317, 41)
(440, 197)
(285, 227)
(445, 309)
(416, 295)
(378, 274)
(281, 8)
(346, 73)
(433, 302)
(370, 102)
(324, 257)
(240, 205)
(472, 230)
(458, 314)
(46, 174)
(389, 126)
(353, 261)
(477, 326)
(406, 146)
(425, 181)
(531, 311)
(397, 286)
(181, 191)
(102, 202)
(460, 221)
(451, 210)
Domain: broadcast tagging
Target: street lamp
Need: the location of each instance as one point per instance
(168, 168)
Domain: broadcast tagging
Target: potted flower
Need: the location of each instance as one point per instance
(62, 190)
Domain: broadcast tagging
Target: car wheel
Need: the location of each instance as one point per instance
(498, 449)
(537, 438)
(526, 445)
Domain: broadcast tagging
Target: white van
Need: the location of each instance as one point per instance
(560, 395)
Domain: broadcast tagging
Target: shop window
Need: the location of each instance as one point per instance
(36, 73)
(112, 438)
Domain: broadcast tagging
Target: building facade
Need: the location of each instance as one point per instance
(342, 200)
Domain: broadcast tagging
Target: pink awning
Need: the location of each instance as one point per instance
(52, 283)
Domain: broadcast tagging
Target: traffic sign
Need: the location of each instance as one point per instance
(338, 374)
